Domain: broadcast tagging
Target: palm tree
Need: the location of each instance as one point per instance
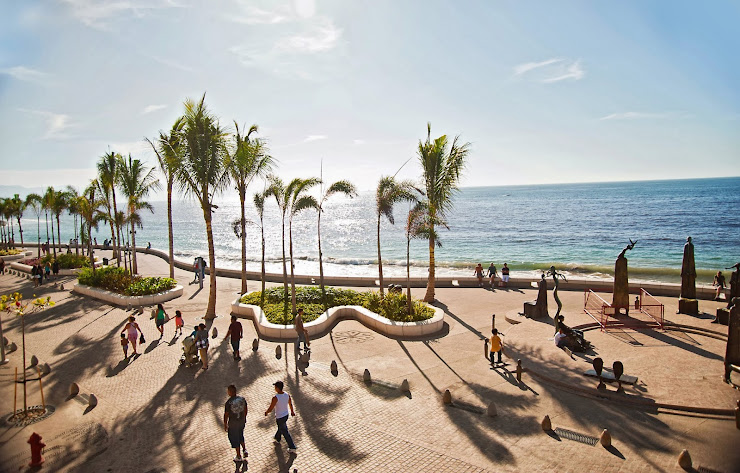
(19, 206)
(390, 192)
(442, 166)
(120, 221)
(88, 207)
(35, 202)
(250, 158)
(48, 202)
(259, 204)
(417, 226)
(202, 172)
(339, 187)
(279, 191)
(136, 183)
(3, 222)
(8, 211)
(169, 152)
(72, 208)
(58, 205)
(298, 201)
(108, 176)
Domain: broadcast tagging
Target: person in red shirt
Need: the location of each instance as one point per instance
(235, 331)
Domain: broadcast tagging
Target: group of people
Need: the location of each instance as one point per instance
(39, 272)
(493, 275)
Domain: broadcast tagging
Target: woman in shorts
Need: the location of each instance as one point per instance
(132, 330)
(160, 319)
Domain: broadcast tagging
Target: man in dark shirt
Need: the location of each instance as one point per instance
(235, 417)
(235, 330)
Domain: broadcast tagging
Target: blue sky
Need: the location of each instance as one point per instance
(545, 91)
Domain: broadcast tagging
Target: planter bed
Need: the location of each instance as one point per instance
(121, 300)
(326, 320)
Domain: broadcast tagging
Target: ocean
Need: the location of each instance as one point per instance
(578, 228)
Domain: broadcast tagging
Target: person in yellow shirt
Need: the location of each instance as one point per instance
(496, 346)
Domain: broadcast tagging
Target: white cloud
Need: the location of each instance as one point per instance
(138, 149)
(305, 8)
(310, 138)
(257, 16)
(152, 108)
(56, 123)
(645, 115)
(25, 74)
(96, 13)
(551, 70)
(322, 37)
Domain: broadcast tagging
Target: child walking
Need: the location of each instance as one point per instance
(496, 346)
(178, 322)
(124, 345)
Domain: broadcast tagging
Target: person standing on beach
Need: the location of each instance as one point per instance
(235, 330)
(201, 342)
(492, 274)
(280, 404)
(132, 330)
(505, 275)
(719, 282)
(235, 418)
(160, 319)
(479, 274)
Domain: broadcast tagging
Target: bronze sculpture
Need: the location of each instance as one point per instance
(556, 276)
(621, 282)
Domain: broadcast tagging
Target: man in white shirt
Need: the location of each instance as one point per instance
(280, 404)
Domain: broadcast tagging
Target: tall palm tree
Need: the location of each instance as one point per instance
(73, 209)
(169, 150)
(389, 193)
(202, 172)
(18, 207)
(136, 183)
(339, 187)
(88, 207)
(250, 158)
(417, 226)
(442, 166)
(120, 221)
(48, 202)
(8, 211)
(278, 190)
(3, 222)
(259, 204)
(298, 201)
(108, 176)
(35, 202)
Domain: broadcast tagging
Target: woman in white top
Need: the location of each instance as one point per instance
(280, 404)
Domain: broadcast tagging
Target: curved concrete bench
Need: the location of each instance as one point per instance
(327, 320)
(121, 300)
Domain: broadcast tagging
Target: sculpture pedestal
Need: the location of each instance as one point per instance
(688, 306)
(534, 311)
(723, 316)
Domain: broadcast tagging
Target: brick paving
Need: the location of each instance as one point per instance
(156, 416)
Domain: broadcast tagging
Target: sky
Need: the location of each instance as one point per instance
(544, 92)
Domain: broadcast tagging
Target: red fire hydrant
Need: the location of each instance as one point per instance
(36, 446)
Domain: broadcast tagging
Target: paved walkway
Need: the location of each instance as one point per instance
(157, 416)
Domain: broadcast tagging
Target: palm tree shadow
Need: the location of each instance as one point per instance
(447, 312)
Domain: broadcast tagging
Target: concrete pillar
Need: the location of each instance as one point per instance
(366, 376)
(684, 460)
(605, 439)
(255, 344)
(546, 423)
(405, 386)
(74, 389)
(278, 352)
(492, 412)
(447, 397)
(93, 401)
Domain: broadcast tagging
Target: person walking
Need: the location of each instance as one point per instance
(132, 330)
(281, 401)
(496, 345)
(505, 275)
(55, 268)
(160, 318)
(301, 331)
(201, 342)
(235, 330)
(202, 271)
(719, 282)
(479, 274)
(179, 322)
(235, 418)
(492, 274)
(34, 276)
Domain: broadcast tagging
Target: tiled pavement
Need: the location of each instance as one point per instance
(156, 416)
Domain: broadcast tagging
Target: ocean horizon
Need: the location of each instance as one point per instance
(579, 228)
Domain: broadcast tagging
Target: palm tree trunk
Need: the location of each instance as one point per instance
(262, 294)
(380, 263)
(20, 229)
(53, 242)
(321, 263)
(242, 196)
(59, 234)
(38, 233)
(89, 247)
(46, 217)
(169, 227)
(117, 237)
(211, 309)
(134, 266)
(408, 277)
(292, 275)
(12, 231)
(429, 296)
(285, 270)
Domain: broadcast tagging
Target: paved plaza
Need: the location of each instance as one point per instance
(155, 416)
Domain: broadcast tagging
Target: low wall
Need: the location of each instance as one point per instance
(120, 300)
(329, 318)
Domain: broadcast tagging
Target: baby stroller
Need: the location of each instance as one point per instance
(189, 352)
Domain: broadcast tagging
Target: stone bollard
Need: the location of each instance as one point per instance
(546, 424)
(255, 344)
(405, 386)
(605, 438)
(45, 369)
(492, 412)
(34, 360)
(12, 347)
(278, 352)
(5, 341)
(366, 376)
(334, 368)
(74, 390)
(519, 371)
(215, 333)
(128, 307)
(684, 460)
(447, 397)
(93, 401)
(61, 287)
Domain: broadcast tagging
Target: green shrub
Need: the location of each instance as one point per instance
(68, 260)
(118, 280)
(277, 304)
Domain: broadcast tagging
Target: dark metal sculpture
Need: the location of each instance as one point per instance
(618, 369)
(598, 367)
(556, 276)
(621, 282)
